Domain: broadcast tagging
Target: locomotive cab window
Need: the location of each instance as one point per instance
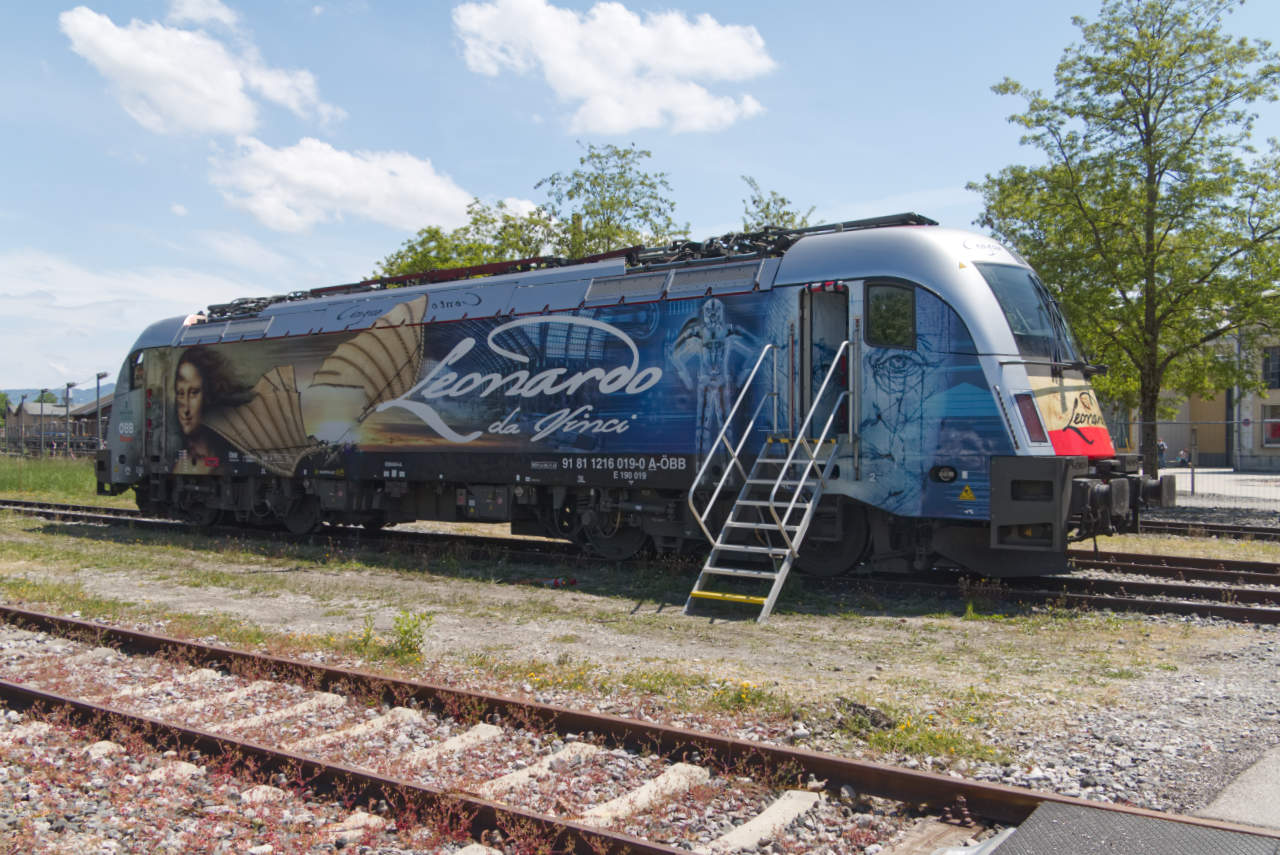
(1034, 317)
(132, 375)
(891, 315)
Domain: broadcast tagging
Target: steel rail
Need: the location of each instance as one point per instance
(102, 513)
(1195, 529)
(1076, 592)
(58, 509)
(329, 534)
(260, 762)
(995, 802)
(1182, 574)
(1135, 587)
(1001, 589)
(1180, 561)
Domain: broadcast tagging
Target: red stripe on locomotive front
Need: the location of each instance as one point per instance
(1091, 442)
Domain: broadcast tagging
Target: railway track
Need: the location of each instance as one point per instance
(526, 548)
(503, 767)
(1151, 584)
(1198, 529)
(1147, 526)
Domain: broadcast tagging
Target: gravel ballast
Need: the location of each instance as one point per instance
(1155, 711)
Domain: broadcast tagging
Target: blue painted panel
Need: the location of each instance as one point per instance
(928, 407)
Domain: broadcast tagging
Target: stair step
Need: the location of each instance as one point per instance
(787, 482)
(762, 503)
(756, 550)
(733, 598)
(758, 526)
(740, 572)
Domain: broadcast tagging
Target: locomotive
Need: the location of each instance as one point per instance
(918, 388)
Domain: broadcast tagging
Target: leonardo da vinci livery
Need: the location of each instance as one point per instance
(597, 400)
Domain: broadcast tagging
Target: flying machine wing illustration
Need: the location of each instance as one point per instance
(384, 360)
(270, 426)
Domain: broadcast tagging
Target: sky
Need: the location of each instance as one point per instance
(157, 157)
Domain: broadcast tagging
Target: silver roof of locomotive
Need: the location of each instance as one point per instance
(938, 259)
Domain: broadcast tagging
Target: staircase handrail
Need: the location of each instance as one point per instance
(723, 438)
(801, 440)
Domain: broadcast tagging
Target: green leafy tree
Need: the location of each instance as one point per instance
(609, 202)
(762, 209)
(492, 233)
(46, 398)
(1153, 218)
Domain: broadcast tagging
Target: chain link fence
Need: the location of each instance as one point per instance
(1216, 464)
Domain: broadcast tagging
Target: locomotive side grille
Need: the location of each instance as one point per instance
(645, 286)
(721, 278)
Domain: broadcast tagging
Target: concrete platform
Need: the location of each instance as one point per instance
(1253, 798)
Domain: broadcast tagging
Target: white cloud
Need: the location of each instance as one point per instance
(294, 90)
(66, 322)
(291, 189)
(172, 80)
(178, 210)
(245, 252)
(168, 80)
(201, 12)
(520, 207)
(624, 71)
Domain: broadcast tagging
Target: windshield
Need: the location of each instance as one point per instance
(1033, 315)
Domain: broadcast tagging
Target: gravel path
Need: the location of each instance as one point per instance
(1173, 743)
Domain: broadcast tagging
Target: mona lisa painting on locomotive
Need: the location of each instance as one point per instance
(650, 379)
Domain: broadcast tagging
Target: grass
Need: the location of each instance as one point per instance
(1193, 547)
(55, 479)
(404, 645)
(72, 598)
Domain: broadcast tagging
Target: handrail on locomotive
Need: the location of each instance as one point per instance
(801, 440)
(722, 438)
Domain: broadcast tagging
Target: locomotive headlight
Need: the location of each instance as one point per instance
(945, 474)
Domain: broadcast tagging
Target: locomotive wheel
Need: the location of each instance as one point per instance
(830, 558)
(303, 516)
(201, 515)
(616, 544)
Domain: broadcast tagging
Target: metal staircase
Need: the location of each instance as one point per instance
(760, 540)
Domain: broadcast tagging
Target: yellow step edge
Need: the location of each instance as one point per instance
(732, 598)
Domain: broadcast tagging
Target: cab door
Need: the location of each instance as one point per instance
(824, 327)
(127, 432)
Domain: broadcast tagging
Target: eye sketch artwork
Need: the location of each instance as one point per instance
(893, 423)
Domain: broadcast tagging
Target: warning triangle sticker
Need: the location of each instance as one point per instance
(967, 494)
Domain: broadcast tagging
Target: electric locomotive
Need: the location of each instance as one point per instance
(620, 401)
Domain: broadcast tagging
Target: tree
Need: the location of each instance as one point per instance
(609, 202)
(492, 233)
(760, 210)
(46, 397)
(1153, 220)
